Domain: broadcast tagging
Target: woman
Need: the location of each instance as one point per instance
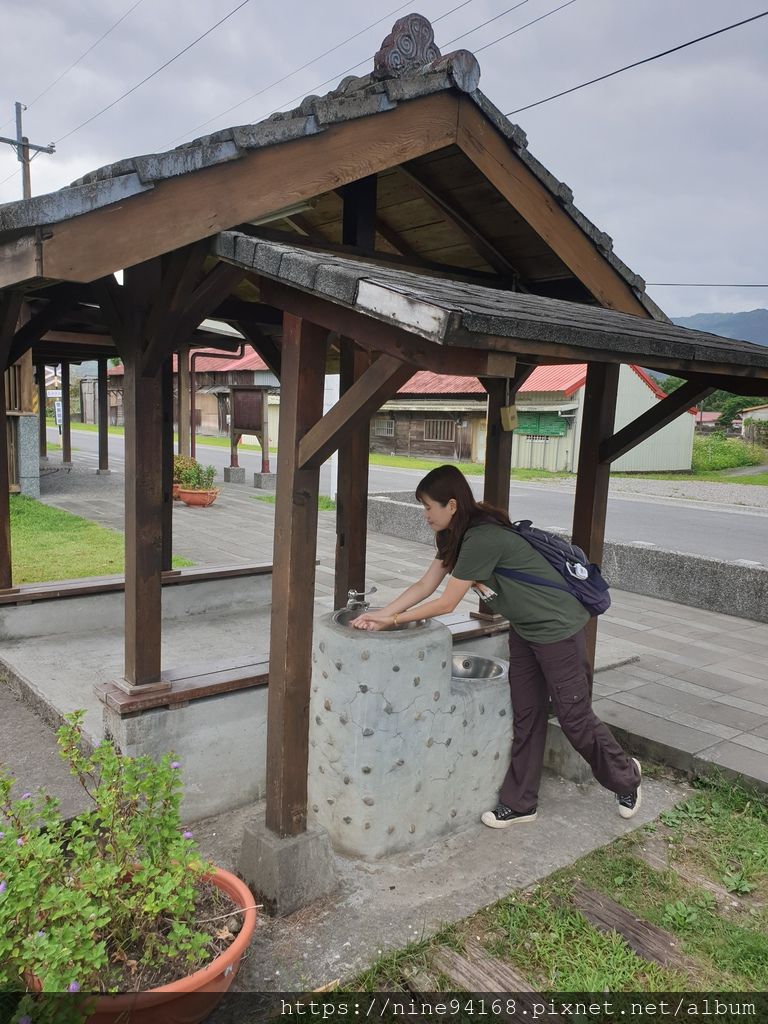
(547, 645)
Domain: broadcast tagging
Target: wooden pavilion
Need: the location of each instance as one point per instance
(397, 223)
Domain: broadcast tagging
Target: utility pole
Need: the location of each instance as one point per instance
(23, 146)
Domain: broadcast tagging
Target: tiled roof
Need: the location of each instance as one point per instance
(392, 82)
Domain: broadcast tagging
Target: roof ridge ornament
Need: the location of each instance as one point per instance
(410, 49)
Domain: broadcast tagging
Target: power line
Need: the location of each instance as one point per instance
(76, 62)
(478, 27)
(155, 72)
(698, 284)
(334, 78)
(637, 63)
(290, 74)
(514, 32)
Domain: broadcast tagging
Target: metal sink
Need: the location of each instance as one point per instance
(472, 666)
(344, 616)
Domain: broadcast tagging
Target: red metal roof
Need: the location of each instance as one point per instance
(250, 361)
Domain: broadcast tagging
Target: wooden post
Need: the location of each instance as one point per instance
(359, 229)
(167, 472)
(183, 400)
(142, 399)
(593, 476)
(6, 572)
(103, 417)
(351, 488)
(41, 401)
(293, 579)
(66, 417)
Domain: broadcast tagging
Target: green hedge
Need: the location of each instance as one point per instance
(720, 452)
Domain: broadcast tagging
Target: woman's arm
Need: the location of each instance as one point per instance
(454, 592)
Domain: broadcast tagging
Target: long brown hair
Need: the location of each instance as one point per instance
(446, 482)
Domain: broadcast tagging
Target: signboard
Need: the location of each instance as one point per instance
(59, 412)
(247, 411)
(540, 424)
(53, 393)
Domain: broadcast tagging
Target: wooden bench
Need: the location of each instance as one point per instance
(25, 593)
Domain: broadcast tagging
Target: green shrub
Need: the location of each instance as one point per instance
(181, 463)
(720, 452)
(197, 477)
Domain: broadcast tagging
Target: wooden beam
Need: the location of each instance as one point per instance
(449, 209)
(383, 337)
(493, 156)
(263, 345)
(182, 209)
(652, 420)
(103, 416)
(66, 416)
(358, 216)
(184, 425)
(10, 309)
(355, 407)
(41, 403)
(211, 291)
(166, 388)
(396, 240)
(351, 486)
(6, 571)
(293, 580)
(593, 475)
(35, 328)
(181, 274)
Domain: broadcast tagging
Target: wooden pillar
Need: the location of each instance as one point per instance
(6, 572)
(167, 475)
(66, 417)
(293, 579)
(358, 229)
(351, 488)
(41, 402)
(142, 399)
(593, 476)
(184, 427)
(103, 417)
(498, 445)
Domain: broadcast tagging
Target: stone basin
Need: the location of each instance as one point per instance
(473, 666)
(344, 616)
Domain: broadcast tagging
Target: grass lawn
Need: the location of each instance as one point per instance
(719, 476)
(206, 439)
(708, 887)
(50, 544)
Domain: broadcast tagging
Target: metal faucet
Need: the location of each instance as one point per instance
(355, 599)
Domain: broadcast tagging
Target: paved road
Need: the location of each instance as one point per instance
(720, 531)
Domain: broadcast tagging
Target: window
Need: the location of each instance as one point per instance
(439, 430)
(383, 427)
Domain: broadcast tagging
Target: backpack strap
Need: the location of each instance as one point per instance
(524, 577)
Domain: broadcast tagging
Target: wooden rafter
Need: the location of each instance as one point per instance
(450, 209)
(263, 345)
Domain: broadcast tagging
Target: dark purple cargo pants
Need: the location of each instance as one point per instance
(561, 671)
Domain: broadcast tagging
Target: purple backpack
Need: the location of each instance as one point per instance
(581, 578)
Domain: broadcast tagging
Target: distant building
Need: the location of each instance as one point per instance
(436, 416)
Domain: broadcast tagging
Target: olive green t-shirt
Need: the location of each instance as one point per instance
(541, 615)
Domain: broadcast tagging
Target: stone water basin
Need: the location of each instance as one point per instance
(345, 616)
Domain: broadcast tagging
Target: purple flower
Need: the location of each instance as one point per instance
(2, 835)
(175, 764)
(40, 934)
(186, 835)
(3, 886)
(19, 841)
(26, 1019)
(74, 986)
(25, 796)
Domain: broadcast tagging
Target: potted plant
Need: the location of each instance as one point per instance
(113, 911)
(180, 464)
(197, 485)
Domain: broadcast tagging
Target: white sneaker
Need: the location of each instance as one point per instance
(629, 803)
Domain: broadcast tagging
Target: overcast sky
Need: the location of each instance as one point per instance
(671, 159)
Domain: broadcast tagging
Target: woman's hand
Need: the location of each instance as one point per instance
(373, 621)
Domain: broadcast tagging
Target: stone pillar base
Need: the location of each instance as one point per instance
(103, 472)
(234, 475)
(562, 759)
(289, 873)
(266, 481)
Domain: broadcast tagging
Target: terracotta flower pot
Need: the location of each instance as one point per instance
(188, 1000)
(201, 499)
(175, 492)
